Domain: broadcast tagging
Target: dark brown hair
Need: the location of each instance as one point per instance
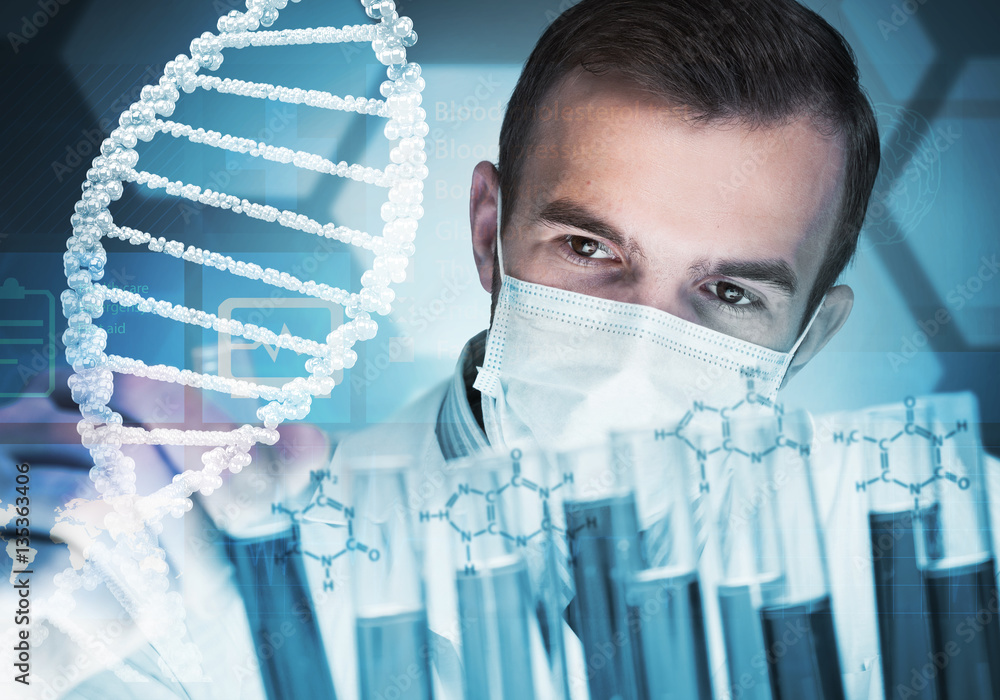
(754, 62)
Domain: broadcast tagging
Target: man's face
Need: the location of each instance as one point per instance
(719, 224)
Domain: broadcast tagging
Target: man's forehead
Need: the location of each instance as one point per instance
(790, 175)
(582, 99)
(613, 101)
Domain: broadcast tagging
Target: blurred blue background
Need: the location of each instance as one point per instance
(927, 314)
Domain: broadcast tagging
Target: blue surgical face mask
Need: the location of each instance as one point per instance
(563, 369)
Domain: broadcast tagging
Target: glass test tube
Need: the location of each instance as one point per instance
(664, 595)
(938, 467)
(270, 576)
(773, 563)
(264, 546)
(390, 615)
(508, 614)
(898, 461)
(598, 516)
(749, 564)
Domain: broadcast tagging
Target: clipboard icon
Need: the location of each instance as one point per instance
(27, 339)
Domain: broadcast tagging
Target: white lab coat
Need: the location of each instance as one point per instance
(842, 514)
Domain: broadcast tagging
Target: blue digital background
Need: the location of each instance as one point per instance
(927, 313)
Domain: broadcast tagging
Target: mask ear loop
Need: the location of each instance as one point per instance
(488, 381)
(805, 331)
(798, 341)
(499, 248)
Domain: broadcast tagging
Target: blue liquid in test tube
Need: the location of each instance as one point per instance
(492, 607)
(802, 659)
(744, 641)
(901, 602)
(390, 646)
(392, 637)
(962, 600)
(665, 608)
(604, 554)
(271, 579)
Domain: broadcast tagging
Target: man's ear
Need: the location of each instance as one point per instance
(483, 217)
(836, 308)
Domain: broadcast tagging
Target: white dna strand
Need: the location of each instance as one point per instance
(134, 568)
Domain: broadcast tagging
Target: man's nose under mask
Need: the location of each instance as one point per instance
(563, 369)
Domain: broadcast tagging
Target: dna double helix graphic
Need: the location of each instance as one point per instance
(134, 566)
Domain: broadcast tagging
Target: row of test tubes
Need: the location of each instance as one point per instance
(652, 567)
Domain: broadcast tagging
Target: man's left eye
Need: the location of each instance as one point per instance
(731, 293)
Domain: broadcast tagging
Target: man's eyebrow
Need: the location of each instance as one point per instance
(566, 212)
(775, 273)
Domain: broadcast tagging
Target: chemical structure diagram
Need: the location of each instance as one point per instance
(712, 421)
(700, 418)
(701, 424)
(910, 430)
(488, 500)
(320, 500)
